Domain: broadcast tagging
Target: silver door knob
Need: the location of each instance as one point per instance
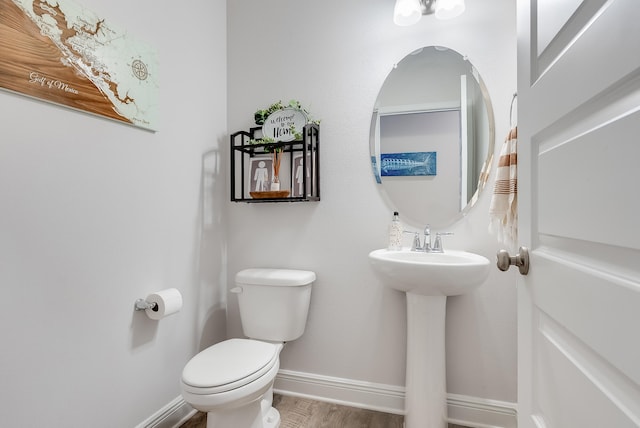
(504, 260)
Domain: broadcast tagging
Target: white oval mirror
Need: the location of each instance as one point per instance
(432, 137)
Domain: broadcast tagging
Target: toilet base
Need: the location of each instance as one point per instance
(272, 418)
(258, 414)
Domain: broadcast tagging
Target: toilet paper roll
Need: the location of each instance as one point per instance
(167, 302)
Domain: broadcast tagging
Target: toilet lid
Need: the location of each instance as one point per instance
(229, 364)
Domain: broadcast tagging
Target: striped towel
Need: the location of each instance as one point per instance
(503, 212)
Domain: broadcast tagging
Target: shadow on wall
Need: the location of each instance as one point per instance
(208, 292)
(214, 329)
(212, 256)
(143, 328)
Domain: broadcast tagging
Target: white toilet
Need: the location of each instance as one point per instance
(233, 380)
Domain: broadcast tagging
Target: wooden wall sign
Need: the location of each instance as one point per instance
(60, 52)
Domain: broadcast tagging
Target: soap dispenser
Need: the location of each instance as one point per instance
(395, 233)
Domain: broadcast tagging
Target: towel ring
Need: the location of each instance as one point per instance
(513, 100)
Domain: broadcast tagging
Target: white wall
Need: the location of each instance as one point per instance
(96, 214)
(333, 56)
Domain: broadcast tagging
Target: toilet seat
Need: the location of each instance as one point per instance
(229, 365)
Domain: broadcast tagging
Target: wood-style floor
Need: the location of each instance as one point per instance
(298, 412)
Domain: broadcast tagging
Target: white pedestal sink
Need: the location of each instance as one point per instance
(427, 279)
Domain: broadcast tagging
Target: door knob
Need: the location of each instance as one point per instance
(504, 260)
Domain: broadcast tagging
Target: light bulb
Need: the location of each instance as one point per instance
(447, 9)
(407, 12)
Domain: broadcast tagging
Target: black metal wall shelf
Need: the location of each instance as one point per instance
(298, 156)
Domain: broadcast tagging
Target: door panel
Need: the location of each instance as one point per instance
(563, 366)
(582, 188)
(593, 304)
(552, 16)
(554, 33)
(603, 54)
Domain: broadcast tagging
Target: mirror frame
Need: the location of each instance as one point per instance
(484, 172)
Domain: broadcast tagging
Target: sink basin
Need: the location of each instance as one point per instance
(431, 274)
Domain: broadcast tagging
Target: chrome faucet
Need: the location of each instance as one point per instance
(427, 239)
(428, 245)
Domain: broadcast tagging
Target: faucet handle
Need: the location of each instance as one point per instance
(415, 244)
(437, 245)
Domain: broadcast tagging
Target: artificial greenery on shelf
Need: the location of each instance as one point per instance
(261, 115)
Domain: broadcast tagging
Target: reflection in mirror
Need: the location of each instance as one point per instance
(432, 137)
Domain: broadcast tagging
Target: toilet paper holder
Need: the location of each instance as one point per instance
(142, 305)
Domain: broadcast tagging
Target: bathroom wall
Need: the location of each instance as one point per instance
(96, 214)
(333, 57)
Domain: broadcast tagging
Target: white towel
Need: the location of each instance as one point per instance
(503, 212)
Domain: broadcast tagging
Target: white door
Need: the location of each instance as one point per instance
(579, 197)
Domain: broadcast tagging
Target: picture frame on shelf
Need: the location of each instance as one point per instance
(297, 175)
(260, 173)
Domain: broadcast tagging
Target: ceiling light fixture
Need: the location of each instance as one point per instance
(447, 9)
(409, 12)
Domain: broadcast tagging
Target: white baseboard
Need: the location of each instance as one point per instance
(347, 392)
(481, 412)
(463, 410)
(172, 415)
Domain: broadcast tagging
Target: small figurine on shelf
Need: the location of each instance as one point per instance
(261, 176)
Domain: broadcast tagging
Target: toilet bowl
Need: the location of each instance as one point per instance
(233, 380)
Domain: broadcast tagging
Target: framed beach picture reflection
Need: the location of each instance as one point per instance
(408, 164)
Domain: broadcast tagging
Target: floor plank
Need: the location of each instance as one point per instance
(199, 420)
(296, 412)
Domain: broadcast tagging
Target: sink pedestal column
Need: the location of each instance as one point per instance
(426, 385)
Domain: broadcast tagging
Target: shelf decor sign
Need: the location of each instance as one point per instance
(282, 125)
(59, 52)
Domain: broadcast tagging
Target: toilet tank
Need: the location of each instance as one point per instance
(274, 303)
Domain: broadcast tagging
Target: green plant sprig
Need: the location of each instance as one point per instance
(261, 115)
(270, 144)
